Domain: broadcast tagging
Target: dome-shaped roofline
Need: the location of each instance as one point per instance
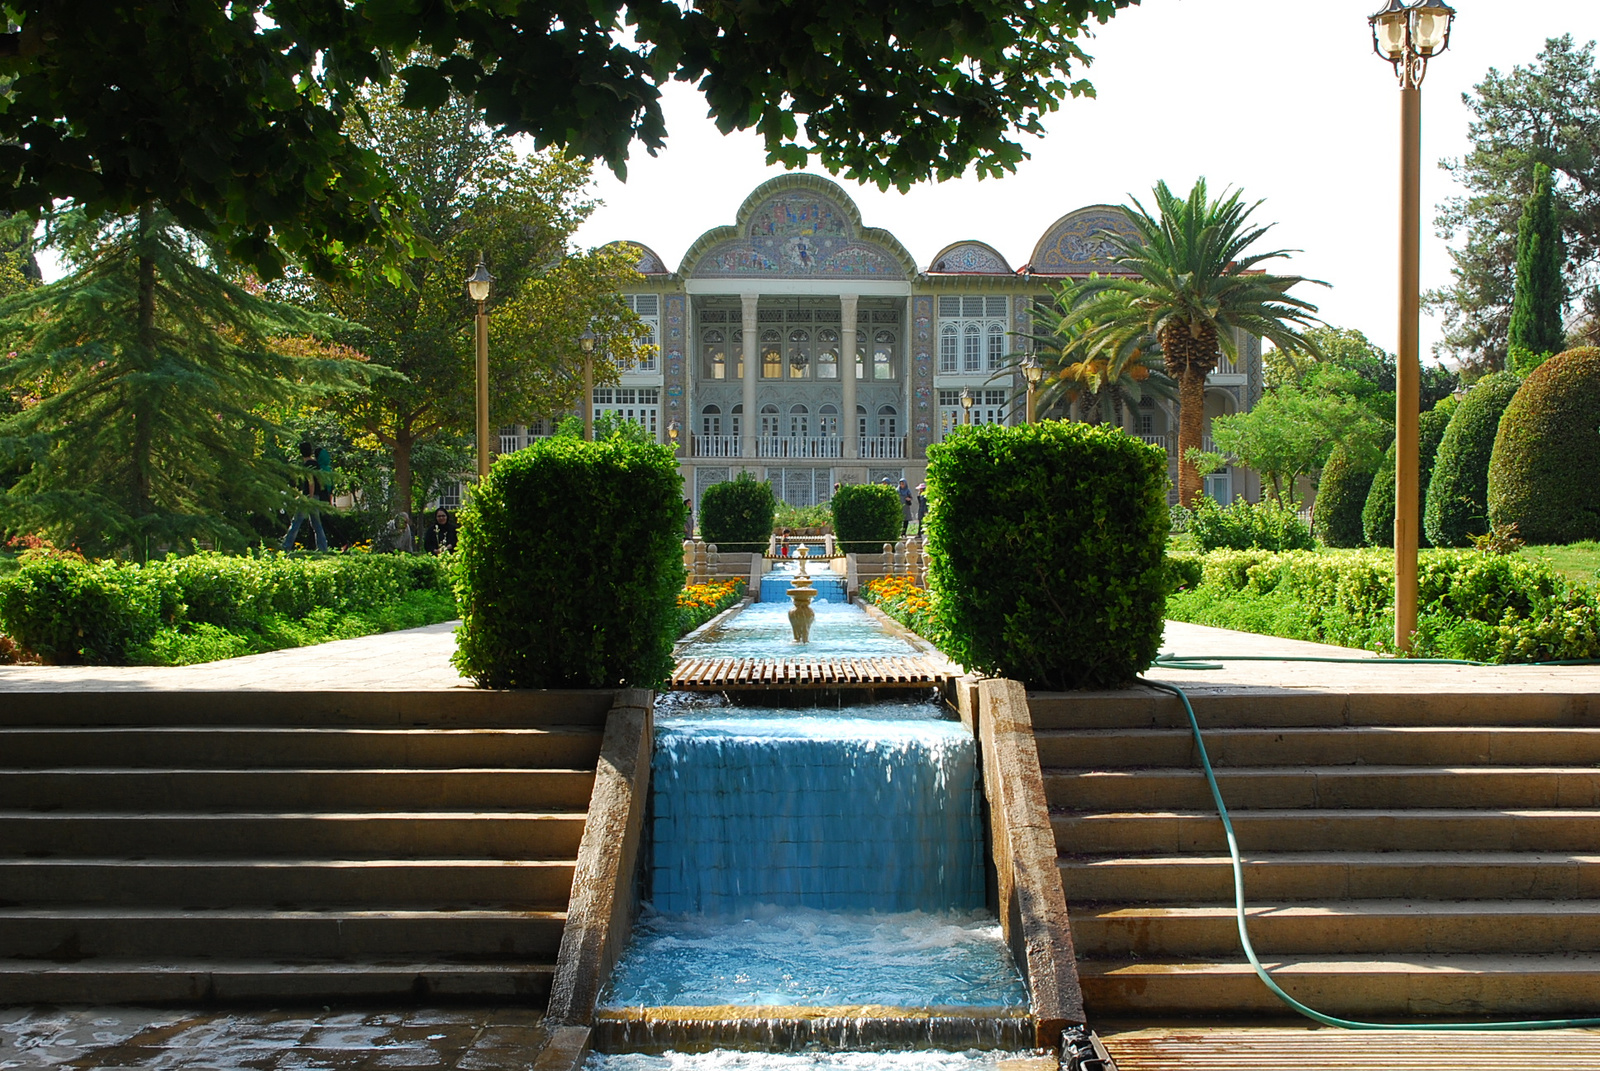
(969, 257)
(1072, 245)
(847, 227)
(649, 262)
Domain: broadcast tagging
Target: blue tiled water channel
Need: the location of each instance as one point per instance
(775, 585)
(812, 857)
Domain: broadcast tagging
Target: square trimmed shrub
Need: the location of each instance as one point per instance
(1046, 548)
(736, 515)
(866, 516)
(569, 567)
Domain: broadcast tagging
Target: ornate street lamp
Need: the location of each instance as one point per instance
(478, 290)
(672, 433)
(586, 342)
(1032, 373)
(966, 402)
(1407, 36)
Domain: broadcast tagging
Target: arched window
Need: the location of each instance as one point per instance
(734, 416)
(861, 355)
(711, 421)
(828, 421)
(827, 353)
(883, 355)
(799, 421)
(799, 353)
(949, 346)
(716, 353)
(769, 421)
(771, 354)
(888, 421)
(971, 349)
(997, 346)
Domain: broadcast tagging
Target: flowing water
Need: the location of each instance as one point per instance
(775, 584)
(762, 630)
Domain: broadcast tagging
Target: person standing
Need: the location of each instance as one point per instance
(441, 534)
(311, 485)
(688, 518)
(922, 505)
(905, 507)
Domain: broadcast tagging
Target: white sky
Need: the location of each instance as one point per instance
(1283, 98)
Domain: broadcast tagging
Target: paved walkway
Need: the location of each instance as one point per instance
(419, 660)
(110, 1039)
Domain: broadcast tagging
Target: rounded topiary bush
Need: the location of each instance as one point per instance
(1046, 549)
(570, 565)
(1458, 491)
(1341, 494)
(1544, 474)
(737, 515)
(1377, 516)
(866, 516)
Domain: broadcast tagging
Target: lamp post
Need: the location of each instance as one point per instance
(1032, 373)
(586, 342)
(1407, 36)
(672, 433)
(966, 402)
(478, 290)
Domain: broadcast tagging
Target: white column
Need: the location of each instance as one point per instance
(747, 437)
(847, 369)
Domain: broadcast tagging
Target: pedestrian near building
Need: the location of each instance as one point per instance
(922, 505)
(905, 507)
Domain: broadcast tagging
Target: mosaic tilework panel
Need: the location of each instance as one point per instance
(672, 350)
(922, 417)
(1078, 244)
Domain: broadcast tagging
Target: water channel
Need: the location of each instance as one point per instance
(829, 857)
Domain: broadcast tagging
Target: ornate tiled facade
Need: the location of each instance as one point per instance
(762, 370)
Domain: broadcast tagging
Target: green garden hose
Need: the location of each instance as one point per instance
(1174, 662)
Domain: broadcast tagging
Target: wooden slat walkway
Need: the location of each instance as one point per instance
(1202, 1046)
(721, 674)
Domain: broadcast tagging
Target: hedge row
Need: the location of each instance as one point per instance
(736, 515)
(1482, 607)
(63, 608)
(866, 516)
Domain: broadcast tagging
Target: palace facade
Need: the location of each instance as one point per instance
(807, 349)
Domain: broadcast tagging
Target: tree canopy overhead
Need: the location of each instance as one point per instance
(233, 115)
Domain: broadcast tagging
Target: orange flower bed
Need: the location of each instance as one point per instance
(907, 603)
(699, 603)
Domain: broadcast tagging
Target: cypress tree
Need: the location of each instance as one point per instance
(1541, 294)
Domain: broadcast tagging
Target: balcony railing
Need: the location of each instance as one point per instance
(801, 446)
(714, 445)
(1155, 440)
(883, 447)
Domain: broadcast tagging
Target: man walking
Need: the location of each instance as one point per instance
(319, 471)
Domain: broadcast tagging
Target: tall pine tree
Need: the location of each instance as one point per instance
(142, 382)
(1541, 295)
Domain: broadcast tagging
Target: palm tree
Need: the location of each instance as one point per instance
(1104, 384)
(1191, 285)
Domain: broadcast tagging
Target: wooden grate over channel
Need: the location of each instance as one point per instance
(721, 674)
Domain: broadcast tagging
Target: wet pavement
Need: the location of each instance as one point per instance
(471, 1039)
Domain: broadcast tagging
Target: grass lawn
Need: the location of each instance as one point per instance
(1575, 561)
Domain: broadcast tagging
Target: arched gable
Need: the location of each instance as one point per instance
(648, 263)
(797, 226)
(969, 258)
(1075, 244)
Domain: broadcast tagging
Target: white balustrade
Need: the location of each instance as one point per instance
(714, 445)
(883, 447)
(799, 446)
(1155, 440)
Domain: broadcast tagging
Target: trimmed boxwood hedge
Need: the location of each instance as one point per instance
(1544, 474)
(737, 515)
(865, 517)
(1377, 516)
(570, 565)
(1046, 552)
(1341, 494)
(1458, 491)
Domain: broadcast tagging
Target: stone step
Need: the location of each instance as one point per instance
(171, 980)
(1424, 745)
(1287, 830)
(1225, 706)
(285, 883)
(1365, 787)
(459, 708)
(1182, 932)
(1390, 987)
(326, 835)
(72, 934)
(294, 789)
(1322, 877)
(275, 746)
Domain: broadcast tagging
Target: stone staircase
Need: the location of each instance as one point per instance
(184, 846)
(1406, 854)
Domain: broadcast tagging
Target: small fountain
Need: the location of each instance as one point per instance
(802, 616)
